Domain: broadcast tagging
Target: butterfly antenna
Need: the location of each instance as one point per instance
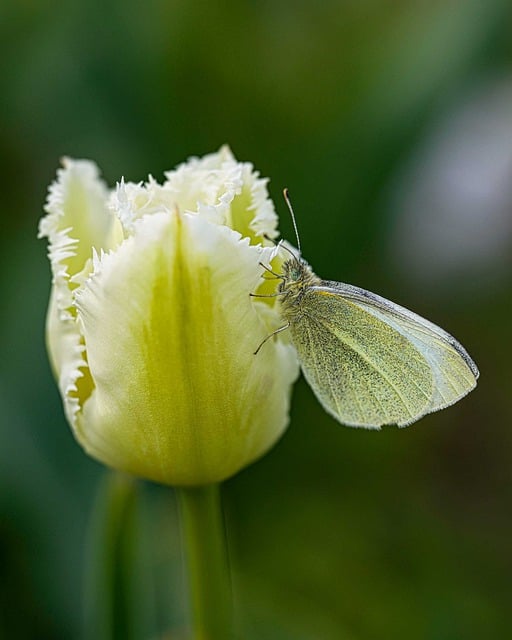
(287, 200)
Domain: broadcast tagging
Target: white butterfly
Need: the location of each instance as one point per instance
(369, 361)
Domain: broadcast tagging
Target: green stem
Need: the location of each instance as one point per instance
(207, 559)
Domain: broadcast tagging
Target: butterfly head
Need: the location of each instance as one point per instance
(295, 270)
(297, 276)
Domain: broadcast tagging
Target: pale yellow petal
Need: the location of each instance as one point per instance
(170, 333)
(77, 222)
(77, 225)
(225, 191)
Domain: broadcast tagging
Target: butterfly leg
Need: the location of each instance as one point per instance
(267, 295)
(271, 335)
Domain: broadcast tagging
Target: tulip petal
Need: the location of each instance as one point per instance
(77, 224)
(178, 395)
(77, 221)
(225, 191)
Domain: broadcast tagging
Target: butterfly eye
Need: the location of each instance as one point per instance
(296, 274)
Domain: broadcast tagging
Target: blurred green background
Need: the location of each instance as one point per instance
(391, 123)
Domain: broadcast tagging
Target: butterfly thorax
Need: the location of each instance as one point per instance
(298, 277)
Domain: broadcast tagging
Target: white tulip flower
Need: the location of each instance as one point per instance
(151, 330)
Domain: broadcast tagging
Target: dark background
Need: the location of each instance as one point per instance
(391, 123)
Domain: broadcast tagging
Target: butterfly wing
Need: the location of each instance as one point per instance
(371, 362)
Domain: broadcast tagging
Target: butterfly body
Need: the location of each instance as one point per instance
(369, 361)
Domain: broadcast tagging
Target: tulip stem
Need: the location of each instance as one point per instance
(204, 539)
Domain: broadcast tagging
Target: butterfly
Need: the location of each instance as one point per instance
(369, 361)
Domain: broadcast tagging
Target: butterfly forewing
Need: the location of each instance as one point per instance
(364, 371)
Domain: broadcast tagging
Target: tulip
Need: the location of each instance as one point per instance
(151, 330)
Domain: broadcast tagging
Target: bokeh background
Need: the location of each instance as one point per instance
(391, 123)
